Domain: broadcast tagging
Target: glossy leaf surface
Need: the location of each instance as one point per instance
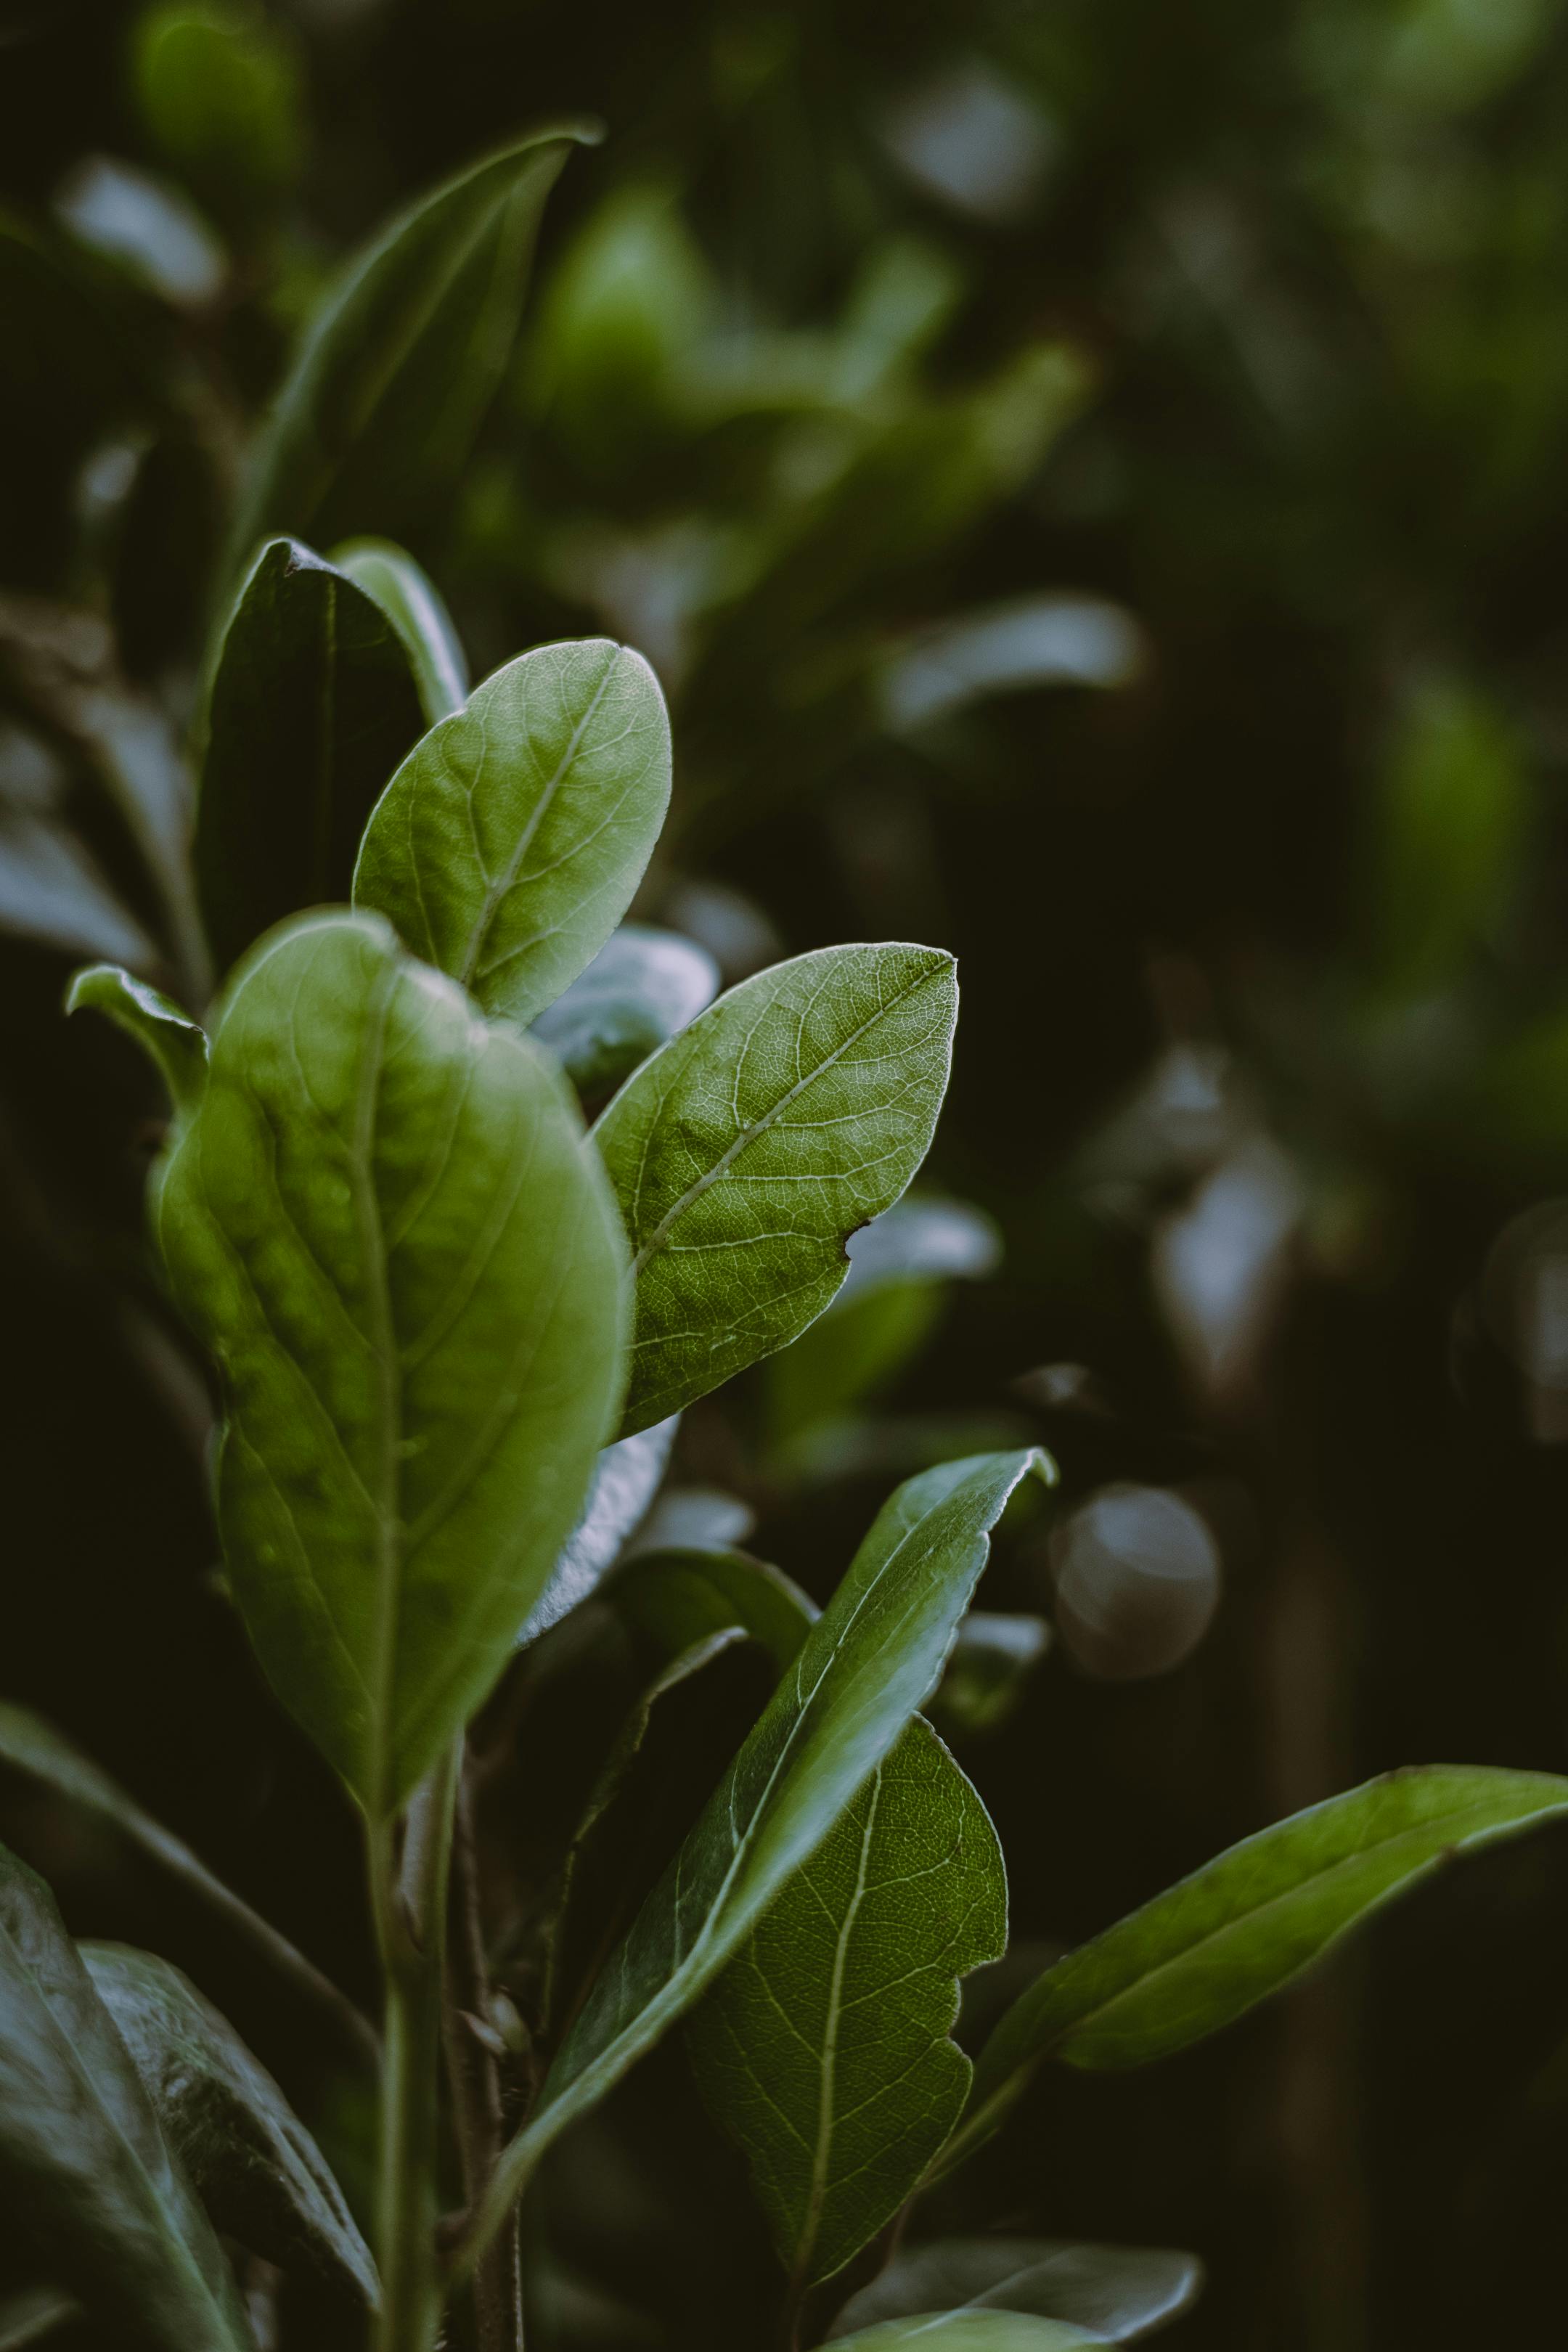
(409, 598)
(625, 1480)
(1205, 1950)
(642, 988)
(90, 2182)
(860, 1674)
(257, 2169)
(969, 2331)
(508, 845)
(1121, 2292)
(379, 410)
(385, 1224)
(824, 2048)
(313, 704)
(745, 1153)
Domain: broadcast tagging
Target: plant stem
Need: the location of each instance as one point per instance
(475, 2078)
(410, 1902)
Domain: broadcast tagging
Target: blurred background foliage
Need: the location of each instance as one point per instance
(1092, 477)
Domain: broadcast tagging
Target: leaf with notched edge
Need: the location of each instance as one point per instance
(747, 1150)
(385, 1223)
(507, 847)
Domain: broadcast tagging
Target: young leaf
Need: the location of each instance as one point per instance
(90, 2181)
(969, 2331)
(176, 1043)
(862, 1671)
(508, 845)
(748, 1149)
(1243, 1925)
(625, 1480)
(261, 2177)
(642, 988)
(1121, 2292)
(384, 1221)
(313, 704)
(409, 598)
(824, 2047)
(379, 412)
(29, 1745)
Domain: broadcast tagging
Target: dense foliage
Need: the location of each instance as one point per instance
(1082, 490)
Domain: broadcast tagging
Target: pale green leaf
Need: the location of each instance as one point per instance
(385, 1224)
(508, 845)
(969, 2331)
(89, 2182)
(379, 412)
(1121, 2293)
(1205, 1950)
(409, 598)
(824, 2046)
(261, 2177)
(748, 1151)
(860, 1674)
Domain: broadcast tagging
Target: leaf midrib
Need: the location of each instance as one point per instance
(759, 1127)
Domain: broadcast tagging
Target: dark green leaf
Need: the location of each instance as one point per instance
(385, 1224)
(313, 704)
(746, 1152)
(508, 845)
(969, 2331)
(378, 413)
(408, 598)
(642, 988)
(254, 2167)
(862, 1671)
(1205, 1950)
(219, 91)
(29, 1745)
(176, 1043)
(824, 2047)
(1121, 2292)
(990, 1667)
(625, 1480)
(89, 2180)
(28, 2317)
(676, 1597)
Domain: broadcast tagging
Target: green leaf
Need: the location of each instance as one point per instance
(642, 988)
(747, 1150)
(508, 845)
(989, 1669)
(1121, 2292)
(176, 1043)
(861, 1673)
(1205, 1950)
(411, 602)
(1452, 830)
(261, 2177)
(90, 2183)
(384, 1221)
(824, 2048)
(28, 2317)
(219, 91)
(31, 1746)
(969, 2331)
(625, 1480)
(313, 704)
(680, 1596)
(379, 412)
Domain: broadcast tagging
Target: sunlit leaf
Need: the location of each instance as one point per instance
(254, 2167)
(863, 1668)
(508, 845)
(824, 2048)
(1205, 1950)
(90, 2183)
(746, 1152)
(1121, 2292)
(384, 1221)
(313, 704)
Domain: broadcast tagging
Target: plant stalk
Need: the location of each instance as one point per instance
(410, 1901)
(475, 2076)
